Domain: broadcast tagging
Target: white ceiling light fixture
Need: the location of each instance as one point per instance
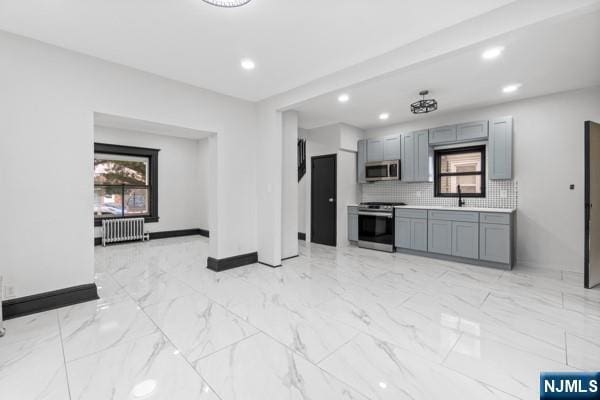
(511, 88)
(248, 64)
(384, 116)
(492, 53)
(343, 98)
(227, 3)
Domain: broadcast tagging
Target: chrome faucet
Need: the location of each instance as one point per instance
(461, 202)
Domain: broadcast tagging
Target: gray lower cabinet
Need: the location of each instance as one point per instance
(495, 243)
(439, 236)
(411, 233)
(484, 236)
(465, 239)
(361, 159)
(353, 223)
(392, 148)
(418, 234)
(500, 148)
(374, 150)
(402, 233)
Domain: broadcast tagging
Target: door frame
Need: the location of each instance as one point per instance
(312, 194)
(586, 205)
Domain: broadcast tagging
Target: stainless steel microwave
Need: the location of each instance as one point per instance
(382, 171)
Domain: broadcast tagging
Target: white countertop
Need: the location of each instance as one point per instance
(475, 209)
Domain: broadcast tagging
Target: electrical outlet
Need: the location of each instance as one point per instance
(418, 193)
(503, 194)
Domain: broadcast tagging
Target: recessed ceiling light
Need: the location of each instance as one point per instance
(511, 88)
(343, 98)
(384, 116)
(492, 53)
(227, 3)
(248, 64)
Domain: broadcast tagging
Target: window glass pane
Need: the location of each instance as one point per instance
(137, 201)
(119, 170)
(468, 184)
(107, 202)
(461, 162)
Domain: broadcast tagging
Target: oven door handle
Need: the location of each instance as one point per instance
(376, 214)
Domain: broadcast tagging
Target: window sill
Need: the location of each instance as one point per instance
(98, 222)
(455, 196)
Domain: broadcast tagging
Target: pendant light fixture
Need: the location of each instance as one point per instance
(424, 106)
(227, 3)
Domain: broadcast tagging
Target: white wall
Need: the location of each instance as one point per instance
(548, 157)
(182, 176)
(331, 139)
(48, 99)
(289, 185)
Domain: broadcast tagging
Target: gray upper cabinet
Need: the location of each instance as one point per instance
(443, 134)
(465, 239)
(408, 157)
(472, 131)
(361, 159)
(423, 156)
(416, 157)
(374, 150)
(439, 236)
(500, 148)
(392, 148)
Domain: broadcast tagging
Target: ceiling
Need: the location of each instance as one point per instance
(552, 56)
(292, 42)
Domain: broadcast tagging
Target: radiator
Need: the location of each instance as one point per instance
(121, 230)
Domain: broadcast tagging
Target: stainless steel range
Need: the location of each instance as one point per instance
(376, 225)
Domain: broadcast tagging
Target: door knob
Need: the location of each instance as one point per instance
(331, 199)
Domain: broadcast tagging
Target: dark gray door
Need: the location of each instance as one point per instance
(323, 199)
(592, 204)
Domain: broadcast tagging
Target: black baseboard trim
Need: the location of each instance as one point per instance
(204, 232)
(301, 236)
(179, 233)
(223, 264)
(36, 303)
(166, 235)
(269, 265)
(290, 257)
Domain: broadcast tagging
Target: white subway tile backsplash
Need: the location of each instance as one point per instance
(499, 194)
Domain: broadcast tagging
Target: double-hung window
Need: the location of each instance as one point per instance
(125, 182)
(464, 167)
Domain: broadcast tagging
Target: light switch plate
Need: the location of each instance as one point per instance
(503, 194)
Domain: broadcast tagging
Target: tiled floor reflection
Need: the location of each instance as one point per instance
(330, 324)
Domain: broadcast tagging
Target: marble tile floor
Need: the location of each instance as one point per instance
(330, 324)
